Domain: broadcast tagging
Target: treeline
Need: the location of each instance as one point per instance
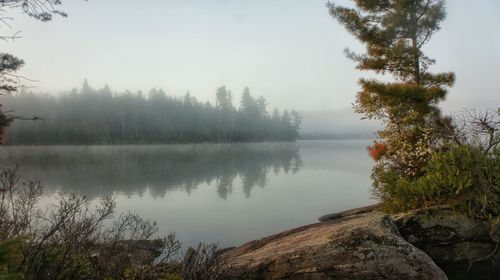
(89, 116)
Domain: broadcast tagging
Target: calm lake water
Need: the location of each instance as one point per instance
(225, 193)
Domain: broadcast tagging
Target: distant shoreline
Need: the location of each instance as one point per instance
(346, 138)
(144, 144)
(337, 136)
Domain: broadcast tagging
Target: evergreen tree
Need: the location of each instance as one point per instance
(261, 106)
(394, 33)
(288, 132)
(247, 104)
(224, 99)
(275, 124)
(225, 114)
(296, 122)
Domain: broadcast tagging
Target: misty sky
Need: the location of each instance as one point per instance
(289, 51)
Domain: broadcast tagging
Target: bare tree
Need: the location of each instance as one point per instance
(480, 129)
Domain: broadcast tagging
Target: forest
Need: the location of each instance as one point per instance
(90, 116)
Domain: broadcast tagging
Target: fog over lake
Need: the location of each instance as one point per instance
(225, 193)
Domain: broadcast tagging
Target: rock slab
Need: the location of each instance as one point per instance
(360, 246)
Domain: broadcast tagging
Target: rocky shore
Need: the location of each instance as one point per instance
(366, 243)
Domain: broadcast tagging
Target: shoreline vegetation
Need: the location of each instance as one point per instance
(72, 240)
(88, 116)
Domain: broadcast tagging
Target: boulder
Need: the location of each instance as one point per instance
(457, 243)
(364, 245)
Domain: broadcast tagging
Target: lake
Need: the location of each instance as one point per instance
(223, 193)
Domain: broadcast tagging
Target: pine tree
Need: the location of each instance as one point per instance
(224, 99)
(394, 32)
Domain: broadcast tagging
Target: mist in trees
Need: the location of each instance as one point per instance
(90, 116)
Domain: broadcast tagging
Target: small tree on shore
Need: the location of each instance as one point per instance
(394, 33)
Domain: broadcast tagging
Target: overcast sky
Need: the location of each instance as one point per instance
(290, 51)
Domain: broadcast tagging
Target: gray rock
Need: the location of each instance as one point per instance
(360, 246)
(448, 237)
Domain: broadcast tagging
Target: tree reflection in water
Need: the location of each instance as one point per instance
(99, 171)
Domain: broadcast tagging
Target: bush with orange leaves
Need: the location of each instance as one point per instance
(377, 150)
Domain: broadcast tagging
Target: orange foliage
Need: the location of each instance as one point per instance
(377, 150)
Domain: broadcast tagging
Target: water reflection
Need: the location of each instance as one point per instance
(97, 171)
(201, 191)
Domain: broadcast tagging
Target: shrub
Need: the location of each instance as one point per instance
(10, 255)
(462, 176)
(69, 240)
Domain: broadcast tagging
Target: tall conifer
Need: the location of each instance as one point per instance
(394, 33)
